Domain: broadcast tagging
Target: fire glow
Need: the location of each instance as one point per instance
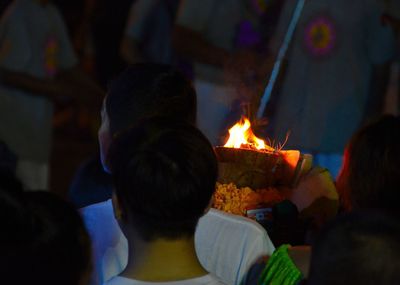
(242, 136)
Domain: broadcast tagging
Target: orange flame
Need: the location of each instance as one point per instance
(241, 136)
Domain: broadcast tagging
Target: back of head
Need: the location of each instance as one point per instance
(165, 173)
(43, 240)
(147, 89)
(61, 251)
(369, 178)
(15, 230)
(360, 248)
(12, 208)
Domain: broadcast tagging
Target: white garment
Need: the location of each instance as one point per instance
(34, 175)
(204, 280)
(226, 245)
(109, 245)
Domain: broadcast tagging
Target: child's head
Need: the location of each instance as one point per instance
(61, 249)
(142, 91)
(369, 177)
(360, 248)
(16, 231)
(43, 239)
(164, 173)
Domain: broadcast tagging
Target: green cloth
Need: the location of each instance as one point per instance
(280, 269)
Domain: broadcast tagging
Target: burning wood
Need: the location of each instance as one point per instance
(253, 177)
(248, 161)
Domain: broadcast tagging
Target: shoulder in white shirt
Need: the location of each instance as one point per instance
(204, 280)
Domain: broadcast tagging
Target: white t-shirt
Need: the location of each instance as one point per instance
(226, 245)
(205, 280)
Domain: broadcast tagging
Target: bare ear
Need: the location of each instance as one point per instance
(116, 207)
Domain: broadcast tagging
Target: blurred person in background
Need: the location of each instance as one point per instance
(221, 37)
(336, 75)
(391, 18)
(148, 32)
(108, 19)
(38, 69)
(96, 28)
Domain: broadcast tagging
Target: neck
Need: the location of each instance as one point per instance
(162, 260)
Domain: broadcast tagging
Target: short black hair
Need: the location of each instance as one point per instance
(43, 239)
(147, 89)
(164, 173)
(61, 248)
(16, 231)
(359, 248)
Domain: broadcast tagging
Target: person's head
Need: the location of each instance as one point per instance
(60, 246)
(15, 227)
(164, 174)
(371, 168)
(142, 91)
(42, 240)
(360, 248)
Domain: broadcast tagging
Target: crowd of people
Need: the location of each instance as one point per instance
(170, 83)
